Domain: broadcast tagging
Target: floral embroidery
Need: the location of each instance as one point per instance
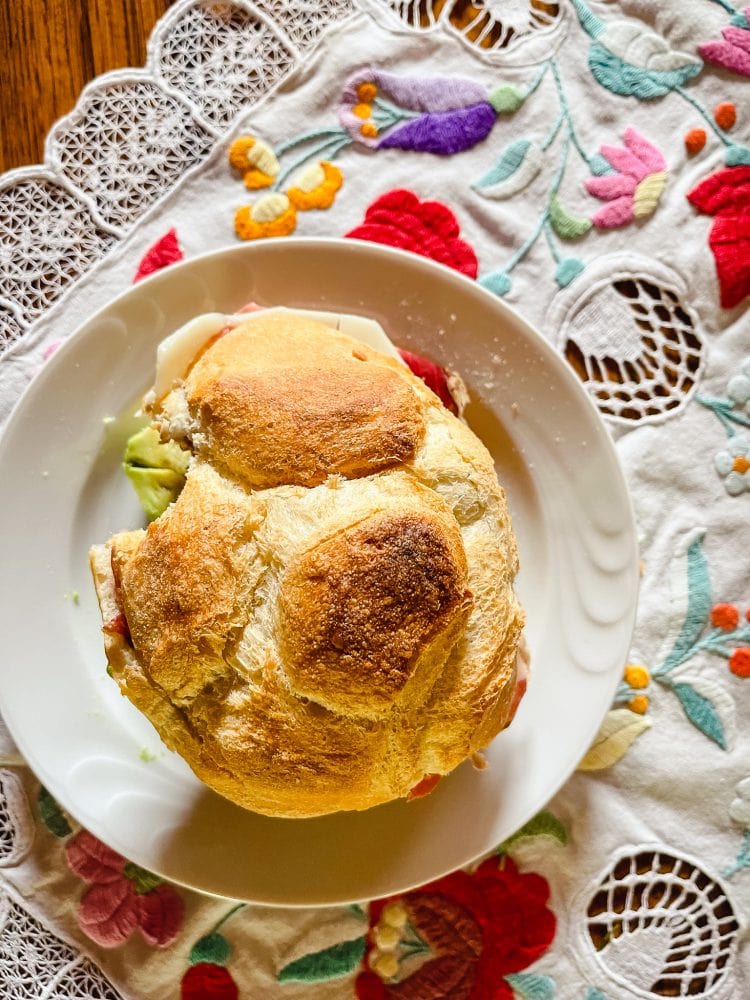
(620, 729)
(255, 160)
(734, 51)
(725, 115)
(706, 627)
(477, 929)
(633, 192)
(315, 187)
(398, 218)
(467, 935)
(632, 61)
(726, 196)
(208, 978)
(442, 115)
(164, 252)
(732, 462)
(121, 897)
(739, 811)
(695, 140)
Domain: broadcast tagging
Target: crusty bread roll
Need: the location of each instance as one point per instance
(325, 616)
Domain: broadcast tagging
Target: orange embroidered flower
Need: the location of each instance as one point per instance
(739, 662)
(316, 187)
(725, 115)
(271, 215)
(725, 616)
(639, 704)
(637, 676)
(695, 140)
(255, 160)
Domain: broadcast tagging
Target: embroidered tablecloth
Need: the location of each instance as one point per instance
(590, 162)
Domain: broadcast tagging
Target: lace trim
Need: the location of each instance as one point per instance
(133, 135)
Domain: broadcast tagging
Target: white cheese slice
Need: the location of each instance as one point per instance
(176, 352)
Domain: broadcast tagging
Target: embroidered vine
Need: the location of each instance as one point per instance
(739, 811)
(208, 975)
(732, 463)
(716, 629)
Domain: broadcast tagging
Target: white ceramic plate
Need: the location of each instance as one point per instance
(62, 488)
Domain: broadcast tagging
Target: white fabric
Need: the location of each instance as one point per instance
(101, 201)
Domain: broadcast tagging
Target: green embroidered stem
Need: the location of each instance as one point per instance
(556, 256)
(591, 24)
(723, 409)
(703, 113)
(397, 114)
(537, 80)
(742, 860)
(230, 913)
(718, 642)
(726, 5)
(552, 134)
(330, 149)
(557, 180)
(317, 133)
(519, 255)
(565, 109)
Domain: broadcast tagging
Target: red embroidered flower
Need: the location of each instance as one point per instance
(739, 662)
(474, 930)
(122, 896)
(164, 252)
(399, 219)
(726, 195)
(206, 981)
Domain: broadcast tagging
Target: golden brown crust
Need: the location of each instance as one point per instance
(310, 648)
(357, 611)
(271, 410)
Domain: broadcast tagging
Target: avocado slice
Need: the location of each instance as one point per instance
(156, 469)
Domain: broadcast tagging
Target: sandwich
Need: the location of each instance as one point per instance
(321, 614)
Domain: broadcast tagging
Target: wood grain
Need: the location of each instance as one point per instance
(49, 50)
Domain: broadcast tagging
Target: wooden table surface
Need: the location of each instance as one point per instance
(49, 50)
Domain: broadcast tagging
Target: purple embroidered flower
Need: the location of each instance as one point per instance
(442, 115)
(734, 51)
(634, 191)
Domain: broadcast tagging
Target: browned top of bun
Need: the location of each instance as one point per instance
(326, 643)
(274, 412)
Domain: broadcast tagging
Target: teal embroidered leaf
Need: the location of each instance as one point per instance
(568, 270)
(737, 156)
(509, 162)
(544, 824)
(595, 994)
(698, 606)
(531, 987)
(213, 948)
(330, 963)
(52, 815)
(627, 80)
(701, 713)
(498, 282)
(567, 226)
(739, 20)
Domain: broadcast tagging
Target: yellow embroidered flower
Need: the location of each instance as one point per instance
(271, 215)
(255, 160)
(316, 186)
(648, 193)
(367, 92)
(639, 704)
(637, 676)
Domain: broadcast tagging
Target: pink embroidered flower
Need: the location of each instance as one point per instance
(122, 896)
(734, 51)
(633, 192)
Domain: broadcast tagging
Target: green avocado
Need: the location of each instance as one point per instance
(156, 469)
